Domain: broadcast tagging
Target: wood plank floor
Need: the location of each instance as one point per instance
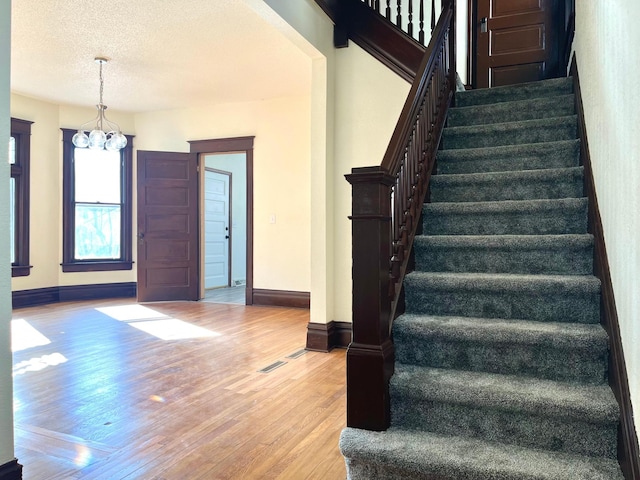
(173, 391)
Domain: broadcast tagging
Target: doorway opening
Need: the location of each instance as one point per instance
(230, 280)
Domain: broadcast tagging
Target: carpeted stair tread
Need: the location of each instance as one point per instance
(513, 409)
(510, 133)
(547, 254)
(507, 217)
(590, 403)
(522, 91)
(529, 109)
(399, 454)
(550, 350)
(509, 185)
(544, 298)
(559, 154)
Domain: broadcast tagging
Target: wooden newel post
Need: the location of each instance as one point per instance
(370, 356)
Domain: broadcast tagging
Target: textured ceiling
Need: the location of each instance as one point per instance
(164, 53)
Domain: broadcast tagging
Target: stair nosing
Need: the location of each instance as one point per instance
(481, 329)
(524, 283)
(528, 124)
(547, 241)
(506, 205)
(449, 152)
(547, 99)
(481, 177)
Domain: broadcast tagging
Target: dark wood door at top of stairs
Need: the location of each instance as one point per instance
(519, 43)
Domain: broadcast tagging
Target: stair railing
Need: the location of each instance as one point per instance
(402, 13)
(386, 209)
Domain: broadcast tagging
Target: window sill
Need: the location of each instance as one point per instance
(21, 270)
(96, 266)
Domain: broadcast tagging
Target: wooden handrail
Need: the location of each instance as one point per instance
(386, 207)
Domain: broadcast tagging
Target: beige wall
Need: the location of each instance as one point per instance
(309, 28)
(363, 101)
(6, 381)
(606, 46)
(369, 98)
(281, 174)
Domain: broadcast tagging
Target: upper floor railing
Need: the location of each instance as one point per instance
(414, 17)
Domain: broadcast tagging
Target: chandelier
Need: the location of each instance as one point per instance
(106, 135)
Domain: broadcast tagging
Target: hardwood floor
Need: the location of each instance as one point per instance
(107, 399)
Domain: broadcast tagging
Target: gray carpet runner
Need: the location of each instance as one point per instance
(501, 363)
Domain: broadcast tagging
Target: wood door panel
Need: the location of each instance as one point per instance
(168, 250)
(168, 169)
(161, 223)
(520, 43)
(168, 226)
(513, 7)
(168, 277)
(517, 74)
(162, 195)
(517, 39)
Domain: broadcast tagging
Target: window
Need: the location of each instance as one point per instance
(19, 153)
(96, 207)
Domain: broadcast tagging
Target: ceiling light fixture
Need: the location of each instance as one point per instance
(100, 138)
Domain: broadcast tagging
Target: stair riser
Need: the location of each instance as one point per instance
(368, 470)
(559, 364)
(502, 304)
(567, 187)
(509, 112)
(515, 93)
(535, 157)
(534, 431)
(491, 136)
(548, 222)
(565, 261)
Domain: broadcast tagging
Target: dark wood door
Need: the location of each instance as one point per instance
(168, 226)
(517, 41)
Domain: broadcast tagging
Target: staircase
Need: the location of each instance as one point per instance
(501, 363)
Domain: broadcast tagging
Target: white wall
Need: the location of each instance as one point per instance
(606, 47)
(6, 381)
(235, 163)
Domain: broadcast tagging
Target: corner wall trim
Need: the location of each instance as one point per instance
(324, 337)
(628, 450)
(43, 296)
(281, 298)
(11, 470)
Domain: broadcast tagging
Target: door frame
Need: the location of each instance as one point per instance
(230, 214)
(472, 44)
(235, 145)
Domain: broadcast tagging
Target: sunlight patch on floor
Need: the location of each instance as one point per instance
(173, 329)
(39, 363)
(24, 336)
(131, 313)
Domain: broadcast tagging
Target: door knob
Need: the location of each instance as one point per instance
(483, 25)
(226, 236)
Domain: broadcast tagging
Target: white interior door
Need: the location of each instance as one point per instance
(217, 228)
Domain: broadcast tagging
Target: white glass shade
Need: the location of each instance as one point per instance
(80, 139)
(97, 139)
